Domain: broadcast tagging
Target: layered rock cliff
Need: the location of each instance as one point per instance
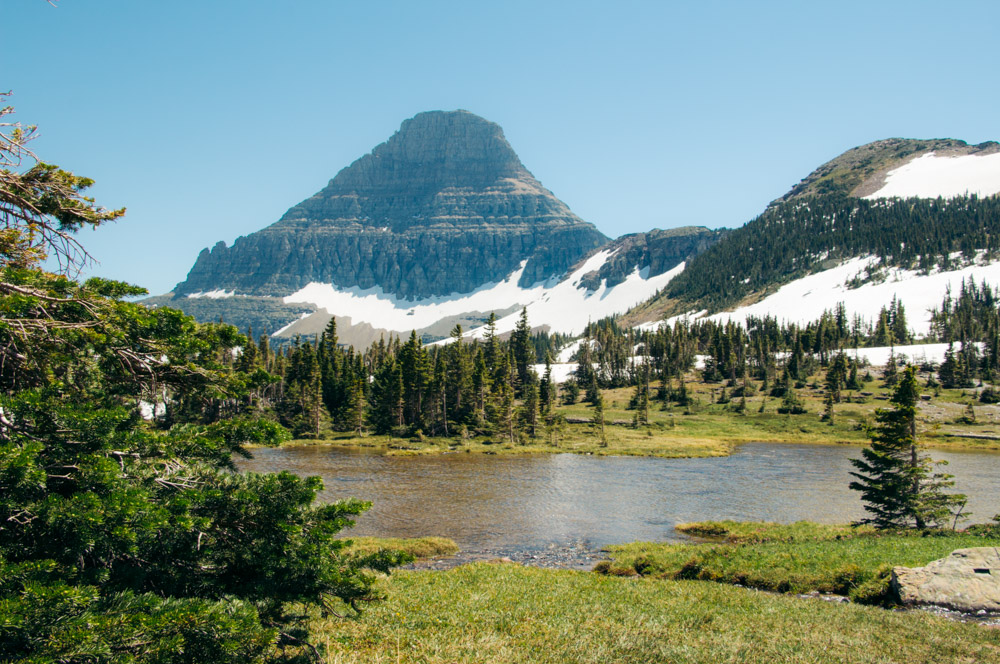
(444, 206)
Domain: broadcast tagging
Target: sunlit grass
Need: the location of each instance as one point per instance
(799, 557)
(703, 429)
(506, 613)
(418, 547)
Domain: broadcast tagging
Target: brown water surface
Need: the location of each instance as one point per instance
(565, 507)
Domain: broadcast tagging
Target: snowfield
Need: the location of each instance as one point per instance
(218, 294)
(804, 300)
(876, 357)
(930, 176)
(915, 354)
(564, 305)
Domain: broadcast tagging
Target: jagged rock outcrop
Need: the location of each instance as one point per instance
(442, 207)
(655, 251)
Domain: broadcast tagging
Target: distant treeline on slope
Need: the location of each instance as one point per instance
(795, 238)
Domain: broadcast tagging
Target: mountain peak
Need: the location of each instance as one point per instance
(425, 169)
(443, 206)
(435, 150)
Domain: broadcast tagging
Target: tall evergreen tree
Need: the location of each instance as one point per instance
(896, 481)
(523, 348)
(598, 419)
(530, 404)
(385, 403)
(548, 387)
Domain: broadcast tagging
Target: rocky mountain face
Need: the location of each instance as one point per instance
(654, 252)
(444, 206)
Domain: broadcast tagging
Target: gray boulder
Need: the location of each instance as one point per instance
(967, 580)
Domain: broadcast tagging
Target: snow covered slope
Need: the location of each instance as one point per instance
(804, 300)
(564, 305)
(932, 175)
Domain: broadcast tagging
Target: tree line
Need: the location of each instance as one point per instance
(794, 238)
(489, 386)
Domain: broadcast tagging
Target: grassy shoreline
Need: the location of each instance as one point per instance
(506, 613)
(707, 428)
(799, 557)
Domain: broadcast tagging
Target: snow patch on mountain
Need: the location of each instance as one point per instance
(930, 176)
(564, 305)
(386, 311)
(218, 294)
(804, 300)
(568, 308)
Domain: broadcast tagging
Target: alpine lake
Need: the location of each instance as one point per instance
(560, 510)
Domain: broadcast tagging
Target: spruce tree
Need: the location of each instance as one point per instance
(385, 403)
(791, 404)
(523, 348)
(460, 379)
(571, 392)
(890, 374)
(948, 372)
(547, 387)
(896, 482)
(530, 404)
(598, 419)
(503, 399)
(836, 376)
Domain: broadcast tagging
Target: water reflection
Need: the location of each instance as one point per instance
(533, 503)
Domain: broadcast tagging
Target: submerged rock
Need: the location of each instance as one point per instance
(967, 580)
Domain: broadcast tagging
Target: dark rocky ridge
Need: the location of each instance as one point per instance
(658, 250)
(263, 314)
(442, 207)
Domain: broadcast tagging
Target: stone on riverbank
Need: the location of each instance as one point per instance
(967, 580)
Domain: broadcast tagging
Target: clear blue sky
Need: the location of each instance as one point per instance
(209, 118)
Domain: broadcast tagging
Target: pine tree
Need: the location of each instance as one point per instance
(571, 392)
(593, 392)
(354, 400)
(522, 347)
(791, 404)
(828, 409)
(415, 368)
(491, 345)
(890, 374)
(897, 322)
(852, 378)
(836, 376)
(948, 372)
(548, 387)
(598, 419)
(385, 403)
(460, 379)
(896, 482)
(481, 384)
(503, 398)
(530, 404)
(441, 389)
